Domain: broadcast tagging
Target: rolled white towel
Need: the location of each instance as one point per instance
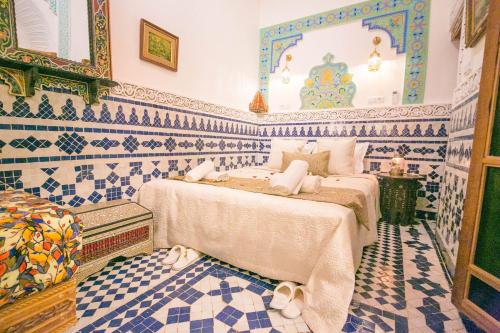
(290, 181)
(311, 184)
(200, 171)
(217, 176)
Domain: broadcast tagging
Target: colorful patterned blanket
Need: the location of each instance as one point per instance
(40, 245)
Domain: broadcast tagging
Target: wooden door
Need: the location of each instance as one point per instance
(476, 289)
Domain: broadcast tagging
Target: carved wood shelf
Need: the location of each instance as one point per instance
(24, 78)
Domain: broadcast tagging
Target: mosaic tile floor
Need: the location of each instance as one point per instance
(400, 287)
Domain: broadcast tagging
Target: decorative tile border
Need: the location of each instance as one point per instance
(390, 112)
(279, 46)
(417, 12)
(394, 24)
(135, 92)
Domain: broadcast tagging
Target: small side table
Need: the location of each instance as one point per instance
(398, 197)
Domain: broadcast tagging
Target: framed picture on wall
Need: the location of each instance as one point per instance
(159, 46)
(476, 12)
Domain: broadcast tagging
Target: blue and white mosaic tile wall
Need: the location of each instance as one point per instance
(456, 173)
(56, 147)
(419, 133)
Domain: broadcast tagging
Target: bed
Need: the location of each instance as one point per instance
(317, 244)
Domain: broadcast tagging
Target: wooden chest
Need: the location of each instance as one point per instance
(112, 229)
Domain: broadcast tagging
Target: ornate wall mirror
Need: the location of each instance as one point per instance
(55, 44)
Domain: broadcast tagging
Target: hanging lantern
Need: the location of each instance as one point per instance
(258, 104)
(374, 61)
(285, 73)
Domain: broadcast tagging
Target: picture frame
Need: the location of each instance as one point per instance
(159, 46)
(476, 12)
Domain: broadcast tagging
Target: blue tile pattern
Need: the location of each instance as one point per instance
(31, 143)
(57, 147)
(454, 184)
(422, 141)
(71, 143)
(145, 141)
(141, 295)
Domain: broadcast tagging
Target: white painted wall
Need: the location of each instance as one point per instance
(441, 65)
(218, 48)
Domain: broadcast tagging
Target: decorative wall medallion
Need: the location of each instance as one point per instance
(328, 86)
(416, 36)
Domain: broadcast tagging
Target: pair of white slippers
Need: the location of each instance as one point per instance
(289, 298)
(180, 257)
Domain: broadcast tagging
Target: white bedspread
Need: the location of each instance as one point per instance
(314, 243)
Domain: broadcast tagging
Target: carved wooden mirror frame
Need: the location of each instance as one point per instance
(25, 70)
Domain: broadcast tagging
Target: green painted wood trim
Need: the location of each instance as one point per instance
(417, 35)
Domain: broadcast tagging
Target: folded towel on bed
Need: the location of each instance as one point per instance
(217, 176)
(311, 184)
(290, 181)
(200, 171)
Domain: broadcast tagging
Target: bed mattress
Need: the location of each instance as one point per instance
(317, 244)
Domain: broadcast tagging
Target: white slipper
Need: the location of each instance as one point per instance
(294, 308)
(188, 257)
(282, 295)
(173, 255)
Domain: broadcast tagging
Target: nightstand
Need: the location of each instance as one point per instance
(398, 197)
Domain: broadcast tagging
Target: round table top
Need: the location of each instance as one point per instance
(409, 176)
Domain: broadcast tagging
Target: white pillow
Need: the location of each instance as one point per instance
(359, 156)
(341, 154)
(278, 146)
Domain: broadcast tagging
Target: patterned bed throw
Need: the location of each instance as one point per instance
(347, 197)
(40, 245)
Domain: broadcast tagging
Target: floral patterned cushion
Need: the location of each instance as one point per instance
(40, 244)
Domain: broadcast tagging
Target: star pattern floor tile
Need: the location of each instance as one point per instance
(400, 287)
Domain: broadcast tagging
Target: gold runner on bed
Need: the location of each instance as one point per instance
(347, 197)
